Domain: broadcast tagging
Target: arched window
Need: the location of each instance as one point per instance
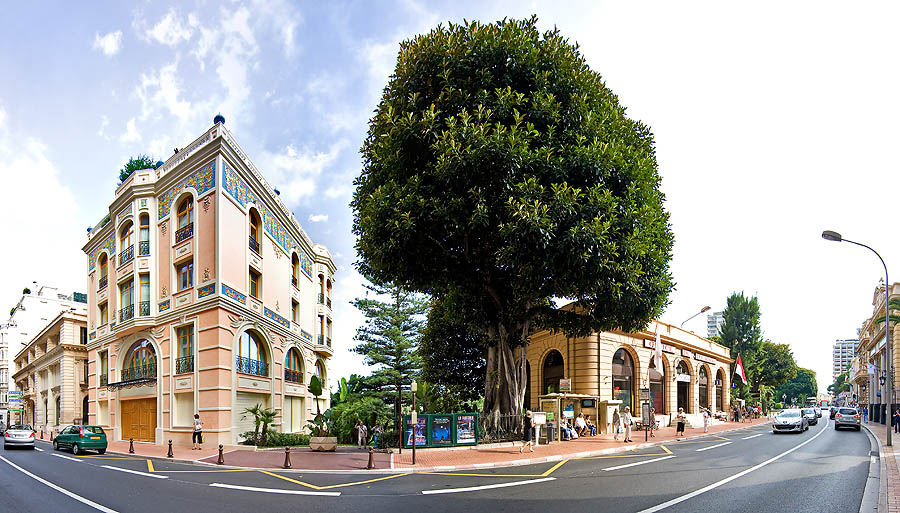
(623, 378)
(140, 361)
(704, 388)
(657, 387)
(144, 244)
(104, 269)
(126, 237)
(295, 270)
(254, 231)
(554, 370)
(186, 212)
(251, 355)
(720, 391)
(683, 377)
(320, 373)
(58, 422)
(293, 366)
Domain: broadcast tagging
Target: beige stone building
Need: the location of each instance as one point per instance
(51, 371)
(616, 365)
(871, 358)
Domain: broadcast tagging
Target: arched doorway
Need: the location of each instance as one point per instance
(84, 411)
(138, 416)
(704, 388)
(657, 387)
(683, 378)
(623, 379)
(720, 390)
(554, 370)
(527, 402)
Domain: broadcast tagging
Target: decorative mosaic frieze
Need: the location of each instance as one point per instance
(237, 189)
(233, 294)
(203, 179)
(206, 290)
(306, 336)
(108, 244)
(163, 306)
(277, 318)
(124, 213)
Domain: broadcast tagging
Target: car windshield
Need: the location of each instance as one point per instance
(97, 430)
(807, 411)
(20, 427)
(847, 411)
(790, 413)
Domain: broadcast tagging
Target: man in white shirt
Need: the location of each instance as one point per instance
(627, 421)
(580, 424)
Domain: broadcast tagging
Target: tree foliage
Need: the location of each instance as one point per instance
(135, 163)
(773, 365)
(801, 386)
(499, 171)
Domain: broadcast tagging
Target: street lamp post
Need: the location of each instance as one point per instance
(704, 309)
(415, 420)
(888, 384)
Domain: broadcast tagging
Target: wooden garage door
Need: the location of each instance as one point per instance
(139, 419)
(244, 421)
(292, 415)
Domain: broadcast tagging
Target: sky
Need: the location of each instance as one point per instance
(773, 121)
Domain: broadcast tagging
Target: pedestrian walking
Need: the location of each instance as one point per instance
(652, 425)
(197, 437)
(865, 413)
(897, 420)
(526, 433)
(705, 420)
(376, 431)
(362, 434)
(679, 422)
(617, 425)
(627, 421)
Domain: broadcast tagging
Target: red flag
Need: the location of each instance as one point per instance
(739, 370)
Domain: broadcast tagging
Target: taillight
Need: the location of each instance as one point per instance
(838, 415)
(80, 432)
(856, 416)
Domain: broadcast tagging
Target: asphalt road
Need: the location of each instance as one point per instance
(747, 470)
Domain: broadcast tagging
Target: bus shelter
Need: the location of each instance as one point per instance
(568, 405)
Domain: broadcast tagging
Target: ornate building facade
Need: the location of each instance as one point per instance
(870, 364)
(205, 295)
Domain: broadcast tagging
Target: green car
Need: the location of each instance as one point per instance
(79, 438)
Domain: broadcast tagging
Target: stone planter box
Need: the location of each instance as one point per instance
(323, 443)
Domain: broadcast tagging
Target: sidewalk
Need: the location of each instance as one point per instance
(456, 458)
(889, 489)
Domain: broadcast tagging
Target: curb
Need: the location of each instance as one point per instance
(875, 496)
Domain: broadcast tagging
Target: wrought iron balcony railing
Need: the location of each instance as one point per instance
(254, 245)
(145, 308)
(294, 281)
(104, 380)
(126, 313)
(328, 341)
(293, 376)
(321, 298)
(127, 255)
(184, 364)
(184, 233)
(139, 372)
(248, 366)
(103, 282)
(321, 339)
(144, 248)
(328, 302)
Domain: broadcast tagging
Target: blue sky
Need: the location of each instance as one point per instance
(771, 124)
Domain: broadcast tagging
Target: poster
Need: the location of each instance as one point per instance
(421, 422)
(465, 429)
(441, 431)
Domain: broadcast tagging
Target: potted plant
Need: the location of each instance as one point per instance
(320, 426)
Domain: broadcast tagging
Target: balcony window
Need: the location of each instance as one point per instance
(295, 270)
(254, 283)
(254, 231)
(140, 362)
(251, 355)
(295, 311)
(144, 244)
(104, 267)
(293, 366)
(186, 212)
(145, 295)
(104, 314)
(126, 242)
(184, 233)
(185, 361)
(126, 299)
(185, 275)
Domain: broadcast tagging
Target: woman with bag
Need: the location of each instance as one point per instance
(617, 425)
(526, 433)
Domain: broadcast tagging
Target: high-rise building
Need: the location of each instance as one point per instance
(842, 354)
(714, 323)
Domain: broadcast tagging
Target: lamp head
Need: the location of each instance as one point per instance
(704, 309)
(832, 236)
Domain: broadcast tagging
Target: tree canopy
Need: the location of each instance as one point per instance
(801, 386)
(135, 163)
(499, 171)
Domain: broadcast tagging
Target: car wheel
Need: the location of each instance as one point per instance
(835, 427)
(55, 445)
(76, 450)
(101, 451)
(858, 428)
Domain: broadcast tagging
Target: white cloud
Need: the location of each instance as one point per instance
(110, 44)
(296, 171)
(171, 30)
(104, 122)
(318, 218)
(131, 134)
(160, 92)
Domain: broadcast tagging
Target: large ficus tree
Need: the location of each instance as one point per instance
(500, 172)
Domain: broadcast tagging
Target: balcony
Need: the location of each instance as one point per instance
(254, 245)
(255, 367)
(293, 376)
(144, 248)
(328, 341)
(184, 233)
(294, 281)
(321, 298)
(126, 314)
(144, 308)
(139, 372)
(184, 364)
(127, 255)
(321, 339)
(328, 302)
(103, 380)
(103, 282)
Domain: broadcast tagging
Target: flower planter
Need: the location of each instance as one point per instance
(323, 443)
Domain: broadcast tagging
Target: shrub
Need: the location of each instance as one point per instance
(277, 439)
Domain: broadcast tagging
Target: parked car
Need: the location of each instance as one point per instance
(790, 420)
(818, 412)
(810, 415)
(847, 417)
(78, 438)
(18, 435)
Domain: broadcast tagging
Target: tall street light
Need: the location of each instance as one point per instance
(888, 384)
(704, 309)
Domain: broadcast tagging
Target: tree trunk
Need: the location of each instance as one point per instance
(504, 386)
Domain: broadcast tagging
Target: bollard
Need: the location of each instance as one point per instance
(221, 456)
(170, 450)
(42, 433)
(131, 446)
(51, 435)
(287, 457)
(371, 464)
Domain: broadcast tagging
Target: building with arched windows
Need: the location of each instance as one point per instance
(224, 304)
(616, 366)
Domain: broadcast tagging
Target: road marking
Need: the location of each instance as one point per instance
(60, 489)
(553, 468)
(663, 447)
(487, 487)
(393, 476)
(67, 457)
(134, 472)
(638, 463)
(150, 466)
(752, 436)
(38, 449)
(729, 479)
(712, 447)
(274, 490)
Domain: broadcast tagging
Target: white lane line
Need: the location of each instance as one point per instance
(487, 487)
(60, 489)
(38, 449)
(274, 490)
(67, 457)
(638, 463)
(712, 446)
(156, 476)
(752, 436)
(729, 479)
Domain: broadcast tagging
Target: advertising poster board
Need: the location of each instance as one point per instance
(569, 411)
(565, 385)
(441, 430)
(465, 429)
(421, 424)
(14, 400)
(539, 418)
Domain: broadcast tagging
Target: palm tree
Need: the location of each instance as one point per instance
(256, 411)
(266, 417)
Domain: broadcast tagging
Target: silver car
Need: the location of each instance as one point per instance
(847, 417)
(810, 415)
(818, 412)
(790, 420)
(18, 435)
